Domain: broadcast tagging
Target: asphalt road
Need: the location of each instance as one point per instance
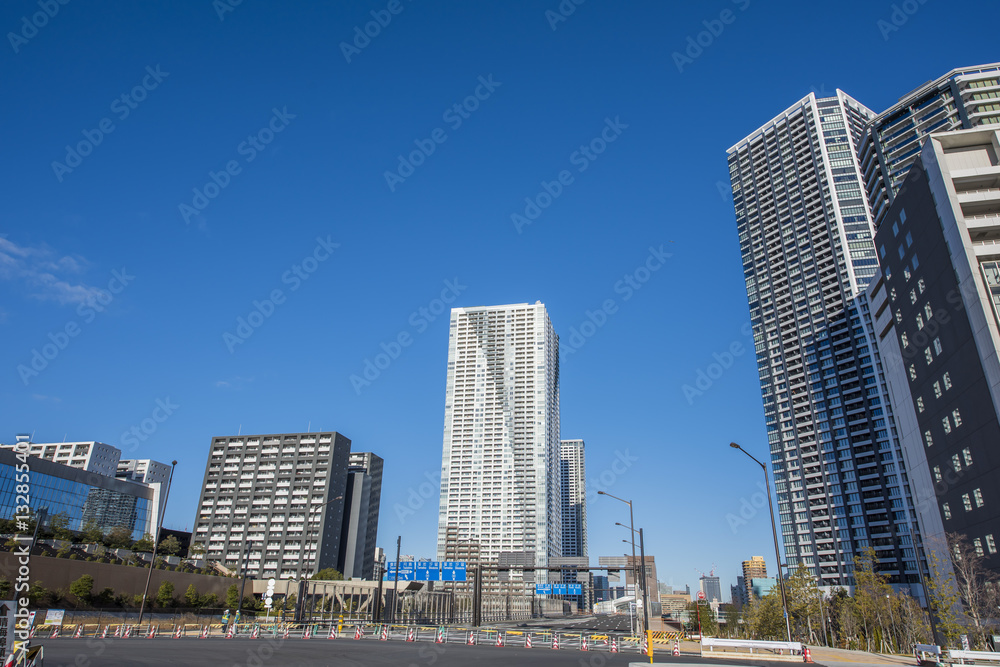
(293, 652)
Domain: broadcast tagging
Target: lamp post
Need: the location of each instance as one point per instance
(774, 533)
(645, 579)
(156, 541)
(645, 612)
(312, 556)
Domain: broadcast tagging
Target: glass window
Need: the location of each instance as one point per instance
(913, 296)
(920, 285)
(978, 544)
(937, 390)
(956, 463)
(946, 510)
(920, 403)
(913, 372)
(937, 346)
(937, 473)
(946, 423)
(978, 495)
(920, 321)
(991, 544)
(928, 439)
(946, 378)
(967, 455)
(903, 340)
(956, 417)
(928, 355)
(967, 502)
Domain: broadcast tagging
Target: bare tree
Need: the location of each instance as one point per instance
(976, 584)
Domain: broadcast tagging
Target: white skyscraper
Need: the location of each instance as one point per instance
(573, 473)
(500, 461)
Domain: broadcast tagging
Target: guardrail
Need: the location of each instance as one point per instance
(788, 651)
(498, 637)
(975, 656)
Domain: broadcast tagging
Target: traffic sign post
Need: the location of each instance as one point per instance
(428, 571)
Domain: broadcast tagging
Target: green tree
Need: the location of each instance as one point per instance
(765, 618)
(118, 537)
(165, 596)
(105, 598)
(5, 587)
(145, 544)
(732, 616)
(328, 574)
(191, 598)
(170, 545)
(83, 588)
(59, 525)
(210, 601)
(804, 605)
(232, 597)
(91, 532)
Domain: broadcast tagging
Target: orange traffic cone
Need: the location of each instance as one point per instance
(806, 655)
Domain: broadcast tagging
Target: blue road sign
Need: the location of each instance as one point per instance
(427, 570)
(559, 589)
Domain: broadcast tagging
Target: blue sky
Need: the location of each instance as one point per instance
(288, 145)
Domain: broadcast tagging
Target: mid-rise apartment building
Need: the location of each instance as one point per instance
(937, 314)
(500, 485)
(280, 495)
(91, 456)
(146, 471)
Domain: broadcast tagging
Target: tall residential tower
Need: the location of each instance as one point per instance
(573, 478)
(806, 241)
(500, 460)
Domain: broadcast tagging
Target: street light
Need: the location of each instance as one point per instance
(645, 609)
(156, 541)
(774, 532)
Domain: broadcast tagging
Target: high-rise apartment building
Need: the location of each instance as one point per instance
(363, 495)
(964, 98)
(282, 495)
(500, 459)
(573, 481)
(937, 314)
(755, 568)
(806, 241)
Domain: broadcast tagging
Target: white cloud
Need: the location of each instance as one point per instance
(44, 274)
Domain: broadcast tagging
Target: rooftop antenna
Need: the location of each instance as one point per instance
(240, 432)
(309, 427)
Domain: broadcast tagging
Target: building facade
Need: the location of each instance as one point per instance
(363, 496)
(500, 461)
(806, 241)
(282, 495)
(81, 495)
(711, 587)
(755, 568)
(964, 98)
(145, 471)
(937, 307)
(90, 456)
(573, 482)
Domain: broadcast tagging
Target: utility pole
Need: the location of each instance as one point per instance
(395, 589)
(377, 606)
